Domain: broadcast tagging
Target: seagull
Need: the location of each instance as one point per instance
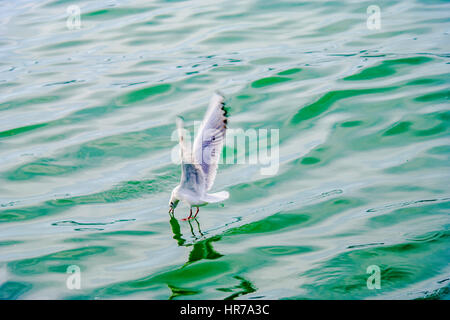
(199, 163)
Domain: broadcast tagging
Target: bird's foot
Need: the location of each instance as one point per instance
(190, 215)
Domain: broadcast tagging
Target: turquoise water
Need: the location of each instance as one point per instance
(86, 117)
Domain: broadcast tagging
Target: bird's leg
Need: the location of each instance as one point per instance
(196, 212)
(190, 215)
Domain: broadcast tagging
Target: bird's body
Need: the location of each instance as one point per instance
(199, 165)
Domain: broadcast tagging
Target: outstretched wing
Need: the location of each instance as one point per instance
(192, 176)
(210, 139)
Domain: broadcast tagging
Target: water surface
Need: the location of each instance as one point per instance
(86, 117)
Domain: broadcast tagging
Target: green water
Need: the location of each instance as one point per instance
(86, 117)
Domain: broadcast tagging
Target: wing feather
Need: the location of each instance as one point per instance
(210, 139)
(192, 176)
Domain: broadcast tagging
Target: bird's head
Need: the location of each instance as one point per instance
(173, 202)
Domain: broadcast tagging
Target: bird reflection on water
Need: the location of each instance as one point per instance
(202, 248)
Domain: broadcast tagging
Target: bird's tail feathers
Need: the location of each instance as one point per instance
(216, 197)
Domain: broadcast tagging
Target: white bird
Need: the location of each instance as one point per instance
(199, 165)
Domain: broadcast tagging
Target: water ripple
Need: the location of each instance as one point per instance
(85, 146)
